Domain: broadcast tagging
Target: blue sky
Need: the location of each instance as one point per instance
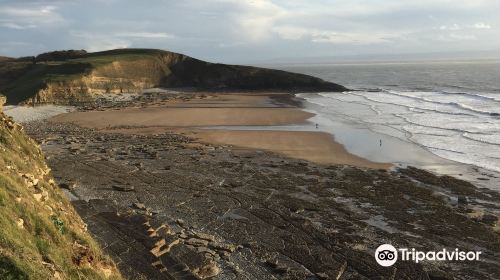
(253, 30)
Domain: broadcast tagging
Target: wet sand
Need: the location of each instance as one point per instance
(226, 110)
(317, 147)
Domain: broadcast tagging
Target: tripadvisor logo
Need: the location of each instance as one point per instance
(387, 255)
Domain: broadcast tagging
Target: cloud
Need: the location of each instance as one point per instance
(29, 16)
(454, 37)
(453, 27)
(481, 25)
(456, 27)
(252, 29)
(145, 35)
(43, 11)
(13, 25)
(329, 36)
(350, 38)
(254, 19)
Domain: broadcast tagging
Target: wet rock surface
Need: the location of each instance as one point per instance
(166, 207)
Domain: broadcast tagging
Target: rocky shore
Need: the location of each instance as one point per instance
(41, 235)
(165, 206)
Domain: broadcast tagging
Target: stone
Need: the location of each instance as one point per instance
(203, 249)
(196, 242)
(139, 206)
(205, 236)
(180, 222)
(322, 275)
(232, 184)
(37, 196)
(207, 271)
(224, 247)
(162, 247)
(123, 188)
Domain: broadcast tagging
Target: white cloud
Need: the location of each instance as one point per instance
(145, 35)
(350, 38)
(37, 12)
(329, 36)
(13, 25)
(481, 25)
(255, 19)
(456, 27)
(453, 27)
(455, 37)
(32, 16)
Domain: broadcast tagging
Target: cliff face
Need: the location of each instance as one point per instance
(115, 77)
(68, 80)
(41, 235)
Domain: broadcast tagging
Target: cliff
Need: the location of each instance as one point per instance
(75, 76)
(41, 235)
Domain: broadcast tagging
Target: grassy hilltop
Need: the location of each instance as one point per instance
(41, 235)
(66, 76)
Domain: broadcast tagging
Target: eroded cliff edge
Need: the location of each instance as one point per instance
(41, 235)
(75, 76)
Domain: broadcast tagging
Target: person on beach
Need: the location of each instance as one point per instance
(380, 142)
(317, 126)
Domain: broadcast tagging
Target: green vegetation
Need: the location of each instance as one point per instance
(41, 235)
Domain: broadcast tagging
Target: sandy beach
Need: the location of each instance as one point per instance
(313, 146)
(227, 110)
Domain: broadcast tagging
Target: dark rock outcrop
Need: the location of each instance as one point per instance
(77, 76)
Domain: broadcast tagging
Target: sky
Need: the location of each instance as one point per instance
(252, 30)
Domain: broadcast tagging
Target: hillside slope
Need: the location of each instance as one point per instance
(41, 235)
(72, 76)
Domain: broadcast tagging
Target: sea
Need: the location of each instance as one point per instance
(441, 116)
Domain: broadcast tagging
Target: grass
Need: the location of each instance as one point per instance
(44, 244)
(10, 271)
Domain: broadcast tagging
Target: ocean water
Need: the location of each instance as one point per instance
(399, 111)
